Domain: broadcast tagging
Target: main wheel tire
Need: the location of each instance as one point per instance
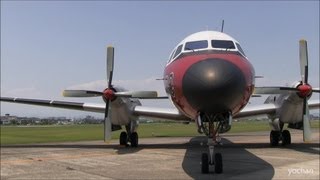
(134, 139)
(218, 166)
(286, 137)
(123, 138)
(204, 163)
(274, 138)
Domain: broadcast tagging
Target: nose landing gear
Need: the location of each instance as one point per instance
(215, 125)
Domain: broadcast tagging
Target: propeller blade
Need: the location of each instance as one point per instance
(158, 97)
(316, 90)
(107, 123)
(106, 110)
(303, 54)
(274, 90)
(138, 94)
(110, 63)
(81, 93)
(307, 133)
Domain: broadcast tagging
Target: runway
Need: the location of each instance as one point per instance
(245, 156)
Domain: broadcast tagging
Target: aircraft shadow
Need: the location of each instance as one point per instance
(237, 161)
(311, 148)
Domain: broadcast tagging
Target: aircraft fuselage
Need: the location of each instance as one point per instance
(209, 81)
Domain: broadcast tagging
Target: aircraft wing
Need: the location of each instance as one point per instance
(161, 113)
(314, 104)
(100, 108)
(250, 111)
(152, 112)
(268, 109)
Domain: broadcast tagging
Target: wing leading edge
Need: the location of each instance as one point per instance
(264, 109)
(57, 104)
(268, 109)
(152, 112)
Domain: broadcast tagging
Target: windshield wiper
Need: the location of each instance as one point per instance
(189, 49)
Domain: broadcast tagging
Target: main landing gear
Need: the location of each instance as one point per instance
(129, 137)
(213, 126)
(281, 135)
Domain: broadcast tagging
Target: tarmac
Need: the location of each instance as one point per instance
(245, 156)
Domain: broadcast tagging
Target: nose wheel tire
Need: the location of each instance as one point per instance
(134, 139)
(204, 163)
(218, 163)
(218, 167)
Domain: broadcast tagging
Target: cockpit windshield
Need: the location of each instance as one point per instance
(224, 44)
(196, 45)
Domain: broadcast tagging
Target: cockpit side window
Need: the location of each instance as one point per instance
(196, 45)
(224, 44)
(178, 51)
(171, 56)
(240, 49)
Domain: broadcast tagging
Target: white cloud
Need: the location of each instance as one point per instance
(148, 84)
(132, 85)
(93, 85)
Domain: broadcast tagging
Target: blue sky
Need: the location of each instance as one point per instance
(50, 46)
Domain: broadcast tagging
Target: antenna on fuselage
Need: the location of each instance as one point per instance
(222, 25)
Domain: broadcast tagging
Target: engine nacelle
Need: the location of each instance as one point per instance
(122, 109)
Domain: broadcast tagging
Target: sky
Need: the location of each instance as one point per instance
(47, 47)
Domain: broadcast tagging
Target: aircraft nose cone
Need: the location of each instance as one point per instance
(213, 85)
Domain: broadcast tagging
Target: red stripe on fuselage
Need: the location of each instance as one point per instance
(179, 67)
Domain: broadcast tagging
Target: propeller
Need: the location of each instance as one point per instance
(304, 90)
(110, 94)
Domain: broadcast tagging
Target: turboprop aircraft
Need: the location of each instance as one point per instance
(210, 80)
